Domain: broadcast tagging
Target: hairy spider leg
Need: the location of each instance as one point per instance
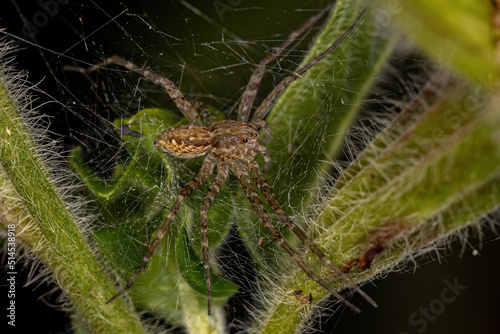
(246, 103)
(191, 112)
(213, 190)
(258, 206)
(260, 124)
(267, 158)
(202, 110)
(196, 182)
(268, 193)
(271, 99)
(180, 100)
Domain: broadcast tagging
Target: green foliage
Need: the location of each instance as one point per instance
(422, 183)
(133, 206)
(432, 171)
(324, 103)
(132, 202)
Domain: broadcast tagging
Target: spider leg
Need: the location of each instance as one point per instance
(188, 189)
(213, 190)
(268, 193)
(258, 206)
(187, 109)
(267, 158)
(270, 100)
(202, 110)
(261, 124)
(250, 92)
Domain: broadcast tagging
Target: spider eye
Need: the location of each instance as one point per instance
(251, 134)
(245, 139)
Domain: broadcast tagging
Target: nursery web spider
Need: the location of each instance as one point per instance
(232, 145)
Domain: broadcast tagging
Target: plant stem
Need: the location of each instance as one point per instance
(432, 178)
(31, 200)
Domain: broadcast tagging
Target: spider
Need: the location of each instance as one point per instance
(232, 145)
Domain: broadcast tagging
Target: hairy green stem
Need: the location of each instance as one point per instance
(432, 178)
(32, 202)
(432, 171)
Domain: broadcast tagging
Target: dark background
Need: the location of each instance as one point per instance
(188, 46)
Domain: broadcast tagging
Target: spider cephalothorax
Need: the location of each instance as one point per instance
(232, 145)
(234, 140)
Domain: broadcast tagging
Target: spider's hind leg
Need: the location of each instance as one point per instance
(187, 109)
(205, 114)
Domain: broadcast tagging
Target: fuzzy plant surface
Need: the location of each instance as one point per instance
(411, 180)
(34, 209)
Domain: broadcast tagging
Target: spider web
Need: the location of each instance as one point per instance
(207, 48)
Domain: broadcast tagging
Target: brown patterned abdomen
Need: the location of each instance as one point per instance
(185, 141)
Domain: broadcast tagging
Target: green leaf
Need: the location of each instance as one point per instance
(191, 268)
(132, 203)
(312, 118)
(135, 204)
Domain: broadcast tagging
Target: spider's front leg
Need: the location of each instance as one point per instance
(270, 197)
(250, 93)
(268, 103)
(253, 197)
(213, 190)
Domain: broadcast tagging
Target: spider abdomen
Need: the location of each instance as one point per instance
(185, 141)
